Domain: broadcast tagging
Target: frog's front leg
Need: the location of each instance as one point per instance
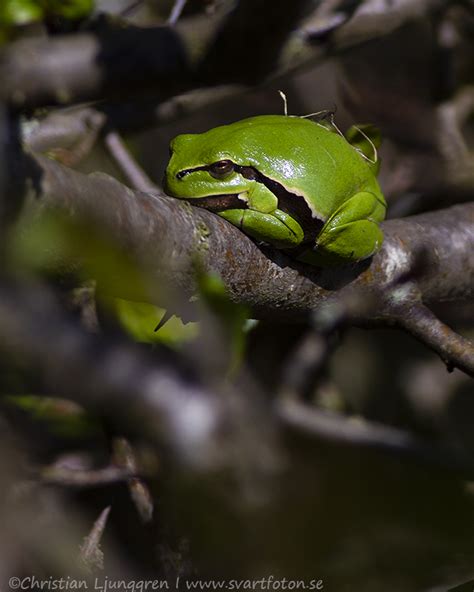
(352, 232)
(276, 228)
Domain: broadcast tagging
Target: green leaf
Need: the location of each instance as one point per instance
(19, 12)
(52, 244)
(62, 417)
(233, 317)
(23, 12)
(68, 9)
(139, 320)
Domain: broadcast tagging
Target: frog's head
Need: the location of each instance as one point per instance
(206, 166)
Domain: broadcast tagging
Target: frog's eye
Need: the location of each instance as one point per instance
(221, 168)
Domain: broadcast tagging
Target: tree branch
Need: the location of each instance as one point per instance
(88, 66)
(149, 395)
(359, 432)
(130, 168)
(453, 349)
(204, 426)
(85, 478)
(102, 64)
(168, 234)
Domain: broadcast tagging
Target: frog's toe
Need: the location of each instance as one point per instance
(353, 241)
(352, 232)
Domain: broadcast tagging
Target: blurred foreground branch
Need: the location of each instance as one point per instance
(88, 66)
(110, 61)
(166, 405)
(360, 432)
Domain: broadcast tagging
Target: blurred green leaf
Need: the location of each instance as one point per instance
(233, 317)
(68, 9)
(20, 12)
(52, 244)
(63, 418)
(139, 319)
(16, 13)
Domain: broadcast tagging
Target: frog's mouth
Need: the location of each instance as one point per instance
(219, 203)
(292, 204)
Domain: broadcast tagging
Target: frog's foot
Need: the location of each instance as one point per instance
(276, 228)
(352, 233)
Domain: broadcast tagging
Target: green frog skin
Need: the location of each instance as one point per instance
(285, 180)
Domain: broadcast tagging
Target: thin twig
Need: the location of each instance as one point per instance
(141, 496)
(338, 429)
(82, 479)
(304, 366)
(129, 166)
(130, 9)
(455, 350)
(178, 8)
(451, 139)
(91, 554)
(307, 363)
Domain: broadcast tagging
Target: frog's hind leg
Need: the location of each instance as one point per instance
(352, 233)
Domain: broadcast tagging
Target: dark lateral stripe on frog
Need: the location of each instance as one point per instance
(296, 207)
(288, 202)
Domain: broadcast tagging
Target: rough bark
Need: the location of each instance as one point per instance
(168, 234)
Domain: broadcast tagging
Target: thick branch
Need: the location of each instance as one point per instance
(169, 234)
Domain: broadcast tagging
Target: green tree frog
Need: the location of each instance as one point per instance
(285, 180)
